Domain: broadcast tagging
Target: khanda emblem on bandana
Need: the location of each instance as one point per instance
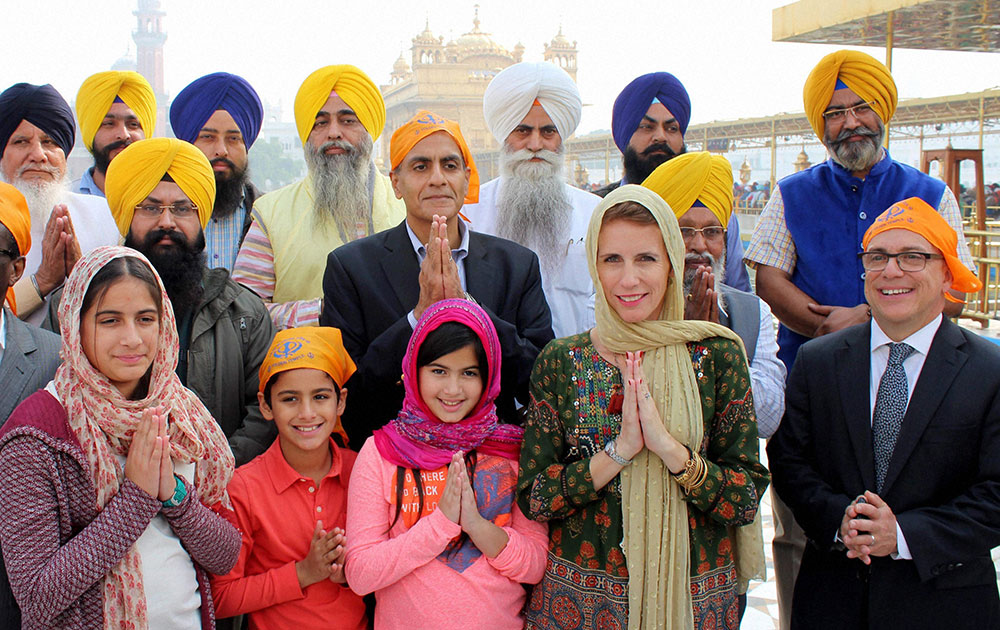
(430, 119)
(287, 349)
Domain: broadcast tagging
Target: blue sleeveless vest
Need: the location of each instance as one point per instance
(827, 211)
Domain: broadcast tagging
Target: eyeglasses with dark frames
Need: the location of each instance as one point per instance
(906, 261)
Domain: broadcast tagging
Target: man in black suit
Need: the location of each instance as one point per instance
(376, 288)
(898, 490)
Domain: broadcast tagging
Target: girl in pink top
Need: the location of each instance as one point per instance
(434, 529)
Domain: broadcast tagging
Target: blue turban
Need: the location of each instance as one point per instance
(634, 101)
(203, 97)
(43, 107)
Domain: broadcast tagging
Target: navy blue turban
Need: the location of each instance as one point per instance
(43, 107)
(203, 97)
(634, 101)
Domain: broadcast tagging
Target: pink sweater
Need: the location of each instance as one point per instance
(415, 585)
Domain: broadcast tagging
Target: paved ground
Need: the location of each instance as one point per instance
(762, 604)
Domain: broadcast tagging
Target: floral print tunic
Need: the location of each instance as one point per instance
(586, 577)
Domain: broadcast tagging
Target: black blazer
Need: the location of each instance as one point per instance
(370, 286)
(943, 484)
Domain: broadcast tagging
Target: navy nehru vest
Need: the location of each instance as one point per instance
(827, 211)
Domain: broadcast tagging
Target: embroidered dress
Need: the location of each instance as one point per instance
(586, 577)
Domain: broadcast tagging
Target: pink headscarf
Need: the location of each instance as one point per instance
(416, 438)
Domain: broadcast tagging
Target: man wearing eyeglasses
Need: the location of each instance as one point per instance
(161, 192)
(699, 189)
(887, 453)
(804, 247)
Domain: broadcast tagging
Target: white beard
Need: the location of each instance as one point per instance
(41, 196)
(533, 208)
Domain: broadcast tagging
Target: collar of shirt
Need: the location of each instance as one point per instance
(457, 254)
(919, 341)
(283, 476)
(87, 185)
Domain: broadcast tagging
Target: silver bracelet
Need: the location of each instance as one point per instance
(610, 449)
(34, 283)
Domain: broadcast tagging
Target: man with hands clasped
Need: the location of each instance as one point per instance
(375, 289)
(887, 451)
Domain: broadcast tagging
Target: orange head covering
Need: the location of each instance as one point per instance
(863, 74)
(915, 215)
(423, 124)
(14, 216)
(317, 347)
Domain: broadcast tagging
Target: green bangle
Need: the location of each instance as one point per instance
(180, 491)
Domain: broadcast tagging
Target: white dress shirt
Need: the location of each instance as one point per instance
(920, 341)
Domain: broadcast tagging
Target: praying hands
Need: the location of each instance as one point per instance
(438, 273)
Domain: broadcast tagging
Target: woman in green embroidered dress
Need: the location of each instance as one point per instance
(640, 446)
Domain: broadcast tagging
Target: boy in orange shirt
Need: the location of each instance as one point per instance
(290, 502)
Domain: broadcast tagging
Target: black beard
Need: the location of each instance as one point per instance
(102, 157)
(639, 167)
(228, 189)
(180, 266)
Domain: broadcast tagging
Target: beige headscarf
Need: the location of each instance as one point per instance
(657, 546)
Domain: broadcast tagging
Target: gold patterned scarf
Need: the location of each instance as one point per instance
(657, 545)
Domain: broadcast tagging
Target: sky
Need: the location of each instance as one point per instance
(720, 49)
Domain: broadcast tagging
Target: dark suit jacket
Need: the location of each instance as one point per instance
(943, 484)
(371, 285)
(30, 359)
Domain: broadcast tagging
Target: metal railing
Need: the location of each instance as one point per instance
(985, 248)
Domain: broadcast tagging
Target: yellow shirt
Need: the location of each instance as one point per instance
(300, 247)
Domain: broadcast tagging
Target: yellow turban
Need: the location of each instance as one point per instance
(863, 74)
(350, 84)
(99, 91)
(692, 177)
(141, 166)
(423, 124)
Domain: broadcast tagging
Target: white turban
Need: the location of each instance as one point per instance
(511, 93)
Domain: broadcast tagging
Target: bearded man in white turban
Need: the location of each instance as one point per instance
(531, 108)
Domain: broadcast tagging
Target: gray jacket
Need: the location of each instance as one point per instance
(230, 335)
(30, 359)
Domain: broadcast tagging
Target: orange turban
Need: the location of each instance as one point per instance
(14, 216)
(692, 177)
(915, 215)
(316, 347)
(863, 74)
(350, 84)
(99, 92)
(423, 124)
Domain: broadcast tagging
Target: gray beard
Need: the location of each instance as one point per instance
(41, 198)
(340, 187)
(718, 270)
(856, 156)
(533, 208)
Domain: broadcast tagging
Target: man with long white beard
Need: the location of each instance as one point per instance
(531, 108)
(36, 134)
(339, 112)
